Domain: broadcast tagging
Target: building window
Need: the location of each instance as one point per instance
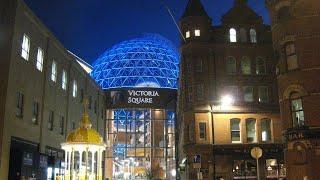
(243, 35)
(200, 92)
(35, 112)
(64, 80)
(198, 65)
(266, 130)
(19, 104)
(74, 89)
(197, 32)
(25, 47)
(54, 71)
(253, 36)
(231, 91)
(261, 68)
(73, 125)
(248, 94)
(263, 94)
(51, 120)
(90, 102)
(190, 94)
(235, 130)
(40, 59)
(291, 57)
(233, 35)
(231, 65)
(297, 110)
(61, 125)
(246, 66)
(202, 131)
(81, 95)
(188, 34)
(251, 130)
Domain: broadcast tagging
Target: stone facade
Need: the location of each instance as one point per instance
(21, 78)
(295, 30)
(217, 62)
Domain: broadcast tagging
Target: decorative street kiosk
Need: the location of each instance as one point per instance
(83, 152)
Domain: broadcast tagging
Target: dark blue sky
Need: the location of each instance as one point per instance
(89, 27)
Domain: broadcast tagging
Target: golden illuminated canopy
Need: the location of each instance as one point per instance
(85, 134)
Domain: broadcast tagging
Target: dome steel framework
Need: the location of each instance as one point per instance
(147, 61)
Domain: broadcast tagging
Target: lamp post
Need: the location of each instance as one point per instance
(224, 103)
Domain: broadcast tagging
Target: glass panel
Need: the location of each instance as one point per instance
(235, 130)
(297, 112)
(202, 130)
(260, 66)
(243, 35)
(231, 65)
(266, 130)
(248, 94)
(251, 130)
(263, 94)
(253, 36)
(246, 66)
(233, 35)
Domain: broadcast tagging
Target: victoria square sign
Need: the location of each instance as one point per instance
(140, 98)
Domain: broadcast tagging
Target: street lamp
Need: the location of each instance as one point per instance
(227, 100)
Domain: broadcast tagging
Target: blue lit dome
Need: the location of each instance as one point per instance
(148, 61)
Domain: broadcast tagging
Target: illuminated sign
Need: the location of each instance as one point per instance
(140, 98)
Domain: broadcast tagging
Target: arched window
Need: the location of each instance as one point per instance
(246, 66)
(297, 110)
(266, 130)
(231, 65)
(253, 36)
(251, 130)
(260, 66)
(235, 130)
(243, 35)
(233, 35)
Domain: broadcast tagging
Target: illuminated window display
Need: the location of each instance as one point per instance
(140, 78)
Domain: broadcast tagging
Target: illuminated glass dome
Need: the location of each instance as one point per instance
(148, 61)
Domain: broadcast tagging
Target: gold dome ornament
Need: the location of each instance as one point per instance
(83, 151)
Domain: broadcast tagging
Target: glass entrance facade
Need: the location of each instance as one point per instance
(142, 143)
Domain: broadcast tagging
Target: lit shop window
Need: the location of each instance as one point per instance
(263, 94)
(297, 110)
(261, 66)
(188, 34)
(266, 130)
(253, 36)
(54, 71)
(64, 80)
(233, 35)
(251, 130)
(39, 63)
(25, 47)
(74, 89)
(235, 130)
(197, 32)
(248, 94)
(246, 66)
(202, 131)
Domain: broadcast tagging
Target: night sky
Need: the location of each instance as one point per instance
(89, 27)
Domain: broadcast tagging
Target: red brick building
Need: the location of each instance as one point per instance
(296, 39)
(228, 101)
